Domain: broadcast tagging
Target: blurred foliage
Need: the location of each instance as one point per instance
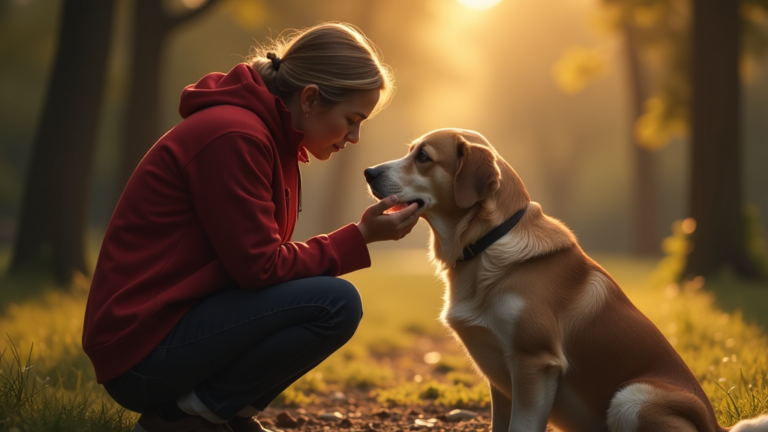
(577, 67)
(661, 33)
(679, 245)
(676, 249)
(249, 14)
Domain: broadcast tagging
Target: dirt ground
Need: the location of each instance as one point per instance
(360, 412)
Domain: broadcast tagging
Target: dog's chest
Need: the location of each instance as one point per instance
(486, 329)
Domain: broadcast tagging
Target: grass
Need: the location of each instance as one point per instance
(401, 358)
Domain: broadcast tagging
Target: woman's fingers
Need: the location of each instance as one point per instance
(407, 223)
(405, 213)
(382, 206)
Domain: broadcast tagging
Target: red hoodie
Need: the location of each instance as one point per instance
(213, 202)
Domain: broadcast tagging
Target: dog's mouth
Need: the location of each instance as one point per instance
(399, 206)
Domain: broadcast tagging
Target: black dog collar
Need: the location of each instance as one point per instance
(474, 249)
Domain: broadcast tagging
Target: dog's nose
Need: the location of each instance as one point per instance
(371, 174)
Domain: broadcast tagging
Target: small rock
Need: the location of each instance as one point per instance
(301, 420)
(301, 411)
(346, 423)
(427, 423)
(331, 416)
(458, 415)
(413, 413)
(383, 414)
(338, 397)
(370, 427)
(284, 420)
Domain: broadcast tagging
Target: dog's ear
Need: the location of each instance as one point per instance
(477, 174)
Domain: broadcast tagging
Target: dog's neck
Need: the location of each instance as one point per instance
(538, 234)
(452, 232)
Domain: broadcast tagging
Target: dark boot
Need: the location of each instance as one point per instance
(152, 422)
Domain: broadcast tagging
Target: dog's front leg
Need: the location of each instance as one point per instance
(501, 410)
(534, 385)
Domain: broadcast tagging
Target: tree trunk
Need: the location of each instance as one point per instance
(53, 215)
(646, 235)
(716, 186)
(141, 128)
(151, 26)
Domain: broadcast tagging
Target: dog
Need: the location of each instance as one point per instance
(556, 338)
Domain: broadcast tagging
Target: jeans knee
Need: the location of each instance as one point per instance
(349, 304)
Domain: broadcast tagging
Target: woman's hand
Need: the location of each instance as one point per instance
(377, 226)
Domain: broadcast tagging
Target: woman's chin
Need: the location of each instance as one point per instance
(323, 155)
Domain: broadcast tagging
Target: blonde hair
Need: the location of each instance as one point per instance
(336, 57)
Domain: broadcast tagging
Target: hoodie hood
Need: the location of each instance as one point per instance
(243, 87)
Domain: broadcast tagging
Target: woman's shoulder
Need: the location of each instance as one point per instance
(225, 119)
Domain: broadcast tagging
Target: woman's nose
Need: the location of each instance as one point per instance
(353, 136)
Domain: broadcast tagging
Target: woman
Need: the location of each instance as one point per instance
(201, 309)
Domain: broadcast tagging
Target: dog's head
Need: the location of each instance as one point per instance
(447, 171)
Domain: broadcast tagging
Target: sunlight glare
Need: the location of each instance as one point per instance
(479, 4)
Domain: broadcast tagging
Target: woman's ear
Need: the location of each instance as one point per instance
(477, 174)
(309, 97)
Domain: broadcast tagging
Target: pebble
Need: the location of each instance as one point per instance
(383, 414)
(428, 423)
(301, 420)
(458, 415)
(331, 416)
(346, 423)
(284, 420)
(338, 397)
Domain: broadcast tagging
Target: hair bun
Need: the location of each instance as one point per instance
(275, 60)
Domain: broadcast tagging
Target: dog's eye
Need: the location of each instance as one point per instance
(422, 156)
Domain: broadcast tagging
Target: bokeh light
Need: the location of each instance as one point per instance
(479, 4)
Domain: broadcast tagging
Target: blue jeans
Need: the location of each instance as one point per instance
(240, 348)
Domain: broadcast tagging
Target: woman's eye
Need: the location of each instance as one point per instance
(422, 156)
(351, 122)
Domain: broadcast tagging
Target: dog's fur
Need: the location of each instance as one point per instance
(549, 328)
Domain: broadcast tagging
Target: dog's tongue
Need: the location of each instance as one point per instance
(396, 208)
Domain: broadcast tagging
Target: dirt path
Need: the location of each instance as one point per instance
(360, 412)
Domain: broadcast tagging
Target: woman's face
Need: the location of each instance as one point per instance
(327, 130)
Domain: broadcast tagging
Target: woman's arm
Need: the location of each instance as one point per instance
(231, 185)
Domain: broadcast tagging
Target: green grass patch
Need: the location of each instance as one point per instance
(402, 300)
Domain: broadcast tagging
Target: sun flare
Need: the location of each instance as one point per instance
(479, 4)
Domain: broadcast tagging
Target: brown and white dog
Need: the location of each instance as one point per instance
(552, 332)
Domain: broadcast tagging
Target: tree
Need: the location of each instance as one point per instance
(152, 23)
(715, 195)
(53, 215)
(661, 32)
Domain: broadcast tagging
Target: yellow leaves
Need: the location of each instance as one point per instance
(249, 14)
(659, 123)
(647, 16)
(578, 67)
(754, 12)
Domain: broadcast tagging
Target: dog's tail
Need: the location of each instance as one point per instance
(757, 424)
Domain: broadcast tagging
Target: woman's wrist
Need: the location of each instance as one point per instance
(364, 231)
